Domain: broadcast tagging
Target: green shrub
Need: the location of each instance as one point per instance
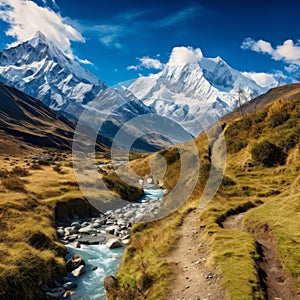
(268, 154)
(278, 113)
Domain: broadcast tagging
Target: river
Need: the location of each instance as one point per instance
(90, 284)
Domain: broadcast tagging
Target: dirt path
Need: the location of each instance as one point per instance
(235, 221)
(192, 279)
(278, 283)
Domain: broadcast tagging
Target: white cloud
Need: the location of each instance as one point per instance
(132, 68)
(257, 46)
(179, 16)
(147, 63)
(180, 56)
(289, 52)
(25, 18)
(292, 68)
(110, 41)
(151, 63)
(131, 23)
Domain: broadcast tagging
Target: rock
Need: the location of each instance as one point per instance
(76, 244)
(130, 214)
(165, 192)
(88, 229)
(60, 232)
(70, 230)
(70, 285)
(92, 240)
(113, 244)
(68, 294)
(149, 180)
(110, 283)
(74, 262)
(85, 224)
(96, 224)
(109, 213)
(121, 223)
(126, 242)
(77, 225)
(125, 237)
(118, 211)
(111, 229)
(110, 222)
(71, 238)
(79, 271)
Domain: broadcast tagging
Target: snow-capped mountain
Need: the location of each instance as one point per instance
(40, 69)
(196, 91)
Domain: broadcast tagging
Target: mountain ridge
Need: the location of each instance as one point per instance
(29, 122)
(38, 68)
(195, 88)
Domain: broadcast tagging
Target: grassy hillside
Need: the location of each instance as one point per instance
(262, 178)
(36, 190)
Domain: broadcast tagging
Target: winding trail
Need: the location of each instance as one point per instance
(278, 283)
(191, 278)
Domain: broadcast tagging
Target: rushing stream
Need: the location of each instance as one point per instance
(90, 285)
(106, 261)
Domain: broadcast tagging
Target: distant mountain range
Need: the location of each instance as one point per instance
(38, 68)
(192, 94)
(196, 93)
(27, 123)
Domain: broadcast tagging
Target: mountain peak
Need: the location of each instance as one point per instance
(39, 35)
(41, 69)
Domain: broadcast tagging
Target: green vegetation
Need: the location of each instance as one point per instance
(144, 273)
(121, 189)
(268, 154)
(30, 252)
(257, 144)
(255, 177)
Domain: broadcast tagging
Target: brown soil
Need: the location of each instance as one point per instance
(278, 283)
(191, 278)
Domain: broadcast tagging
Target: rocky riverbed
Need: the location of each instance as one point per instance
(96, 245)
(112, 225)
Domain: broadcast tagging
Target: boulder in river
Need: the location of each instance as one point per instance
(74, 262)
(79, 271)
(70, 285)
(113, 244)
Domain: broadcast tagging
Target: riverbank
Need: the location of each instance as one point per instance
(100, 241)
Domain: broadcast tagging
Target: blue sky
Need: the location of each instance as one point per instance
(120, 40)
